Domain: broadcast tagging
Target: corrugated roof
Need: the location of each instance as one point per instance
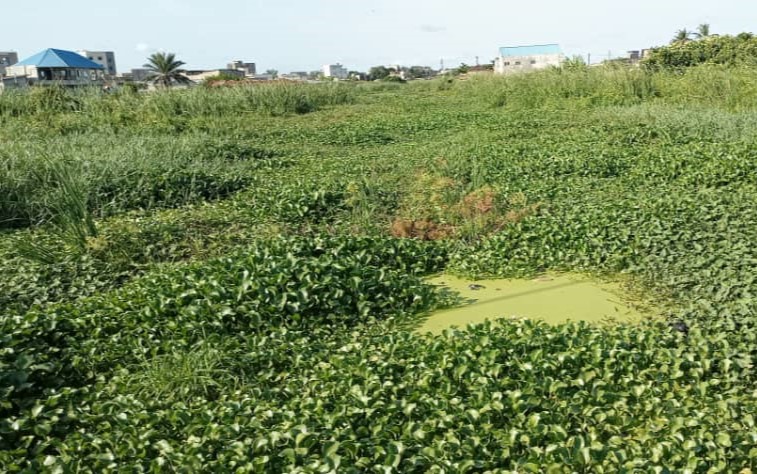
(533, 50)
(59, 58)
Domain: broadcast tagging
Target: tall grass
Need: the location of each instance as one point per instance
(175, 147)
(125, 172)
(717, 86)
(68, 212)
(127, 107)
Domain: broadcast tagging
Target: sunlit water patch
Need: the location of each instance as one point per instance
(553, 298)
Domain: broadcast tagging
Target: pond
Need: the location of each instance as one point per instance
(553, 298)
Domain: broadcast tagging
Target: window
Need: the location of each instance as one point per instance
(507, 63)
(99, 58)
(533, 61)
(517, 63)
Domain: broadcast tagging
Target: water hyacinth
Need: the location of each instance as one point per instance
(233, 279)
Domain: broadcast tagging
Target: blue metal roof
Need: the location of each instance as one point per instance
(533, 50)
(59, 58)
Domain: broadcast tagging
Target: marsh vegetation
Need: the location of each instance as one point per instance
(227, 279)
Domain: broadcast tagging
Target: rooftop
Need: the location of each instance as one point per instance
(59, 58)
(531, 50)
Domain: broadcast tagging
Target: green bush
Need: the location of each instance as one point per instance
(727, 87)
(727, 50)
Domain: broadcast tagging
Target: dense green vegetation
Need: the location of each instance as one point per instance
(708, 49)
(207, 280)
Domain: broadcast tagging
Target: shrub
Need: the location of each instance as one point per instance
(727, 50)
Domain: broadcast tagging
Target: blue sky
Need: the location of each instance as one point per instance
(305, 34)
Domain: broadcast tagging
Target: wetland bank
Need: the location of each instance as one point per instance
(226, 279)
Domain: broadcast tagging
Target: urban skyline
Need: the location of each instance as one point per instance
(292, 35)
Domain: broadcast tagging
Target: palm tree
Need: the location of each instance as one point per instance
(682, 36)
(703, 30)
(165, 70)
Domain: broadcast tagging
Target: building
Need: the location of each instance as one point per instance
(139, 74)
(336, 71)
(57, 67)
(248, 69)
(528, 58)
(106, 59)
(296, 76)
(7, 58)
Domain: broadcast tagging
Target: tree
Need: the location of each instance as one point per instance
(272, 72)
(576, 63)
(419, 72)
(378, 72)
(703, 31)
(463, 68)
(165, 70)
(682, 36)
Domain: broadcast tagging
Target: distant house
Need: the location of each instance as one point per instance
(528, 58)
(140, 74)
(57, 67)
(249, 69)
(336, 71)
(295, 76)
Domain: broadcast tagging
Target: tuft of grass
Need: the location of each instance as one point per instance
(70, 219)
(200, 371)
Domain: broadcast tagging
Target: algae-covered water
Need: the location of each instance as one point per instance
(553, 298)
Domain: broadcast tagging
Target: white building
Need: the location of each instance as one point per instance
(106, 59)
(7, 58)
(528, 58)
(336, 71)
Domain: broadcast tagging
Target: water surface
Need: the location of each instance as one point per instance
(552, 298)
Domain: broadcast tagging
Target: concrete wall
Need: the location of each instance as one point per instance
(7, 58)
(7, 83)
(515, 64)
(21, 71)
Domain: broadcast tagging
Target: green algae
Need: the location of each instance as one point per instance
(553, 298)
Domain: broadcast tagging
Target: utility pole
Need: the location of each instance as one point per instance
(477, 61)
(588, 59)
(441, 64)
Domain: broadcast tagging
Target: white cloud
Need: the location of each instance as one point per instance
(433, 28)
